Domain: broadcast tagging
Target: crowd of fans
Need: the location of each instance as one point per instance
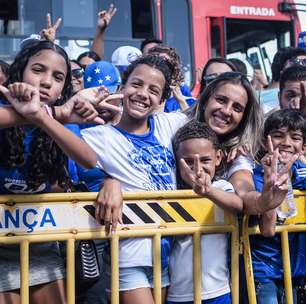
(132, 124)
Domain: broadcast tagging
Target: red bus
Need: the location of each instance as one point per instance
(199, 29)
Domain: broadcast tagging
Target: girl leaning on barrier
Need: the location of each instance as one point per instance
(32, 157)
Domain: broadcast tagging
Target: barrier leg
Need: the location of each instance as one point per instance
(70, 271)
(235, 266)
(247, 257)
(24, 269)
(157, 269)
(115, 269)
(197, 282)
(286, 266)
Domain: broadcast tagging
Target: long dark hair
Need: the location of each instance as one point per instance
(46, 162)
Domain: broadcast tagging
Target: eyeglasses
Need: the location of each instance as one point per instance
(299, 61)
(77, 73)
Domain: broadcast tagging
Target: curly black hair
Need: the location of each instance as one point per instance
(46, 162)
(156, 62)
(175, 60)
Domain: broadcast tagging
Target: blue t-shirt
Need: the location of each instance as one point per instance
(93, 178)
(266, 251)
(172, 104)
(14, 180)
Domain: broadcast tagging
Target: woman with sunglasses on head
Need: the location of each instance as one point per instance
(213, 68)
(77, 73)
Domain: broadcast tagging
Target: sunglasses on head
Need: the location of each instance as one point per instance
(299, 61)
(77, 73)
(209, 78)
(228, 75)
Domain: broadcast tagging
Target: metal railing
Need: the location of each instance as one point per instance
(26, 219)
(295, 224)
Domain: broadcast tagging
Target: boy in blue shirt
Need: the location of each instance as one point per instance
(286, 131)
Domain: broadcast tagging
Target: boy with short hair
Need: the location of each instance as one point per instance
(285, 132)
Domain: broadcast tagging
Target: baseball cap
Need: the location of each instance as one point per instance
(34, 38)
(302, 40)
(124, 55)
(102, 73)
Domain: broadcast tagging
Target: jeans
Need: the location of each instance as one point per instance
(272, 293)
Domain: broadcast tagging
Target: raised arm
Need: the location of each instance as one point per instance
(49, 33)
(201, 184)
(25, 99)
(10, 118)
(104, 18)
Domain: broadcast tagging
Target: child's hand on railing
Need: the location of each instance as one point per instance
(109, 204)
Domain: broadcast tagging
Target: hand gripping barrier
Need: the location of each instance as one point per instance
(68, 217)
(295, 224)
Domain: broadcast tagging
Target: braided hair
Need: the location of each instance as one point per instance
(46, 161)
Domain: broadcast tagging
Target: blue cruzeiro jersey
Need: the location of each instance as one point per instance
(141, 163)
(266, 252)
(14, 180)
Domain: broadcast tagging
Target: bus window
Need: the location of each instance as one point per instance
(245, 37)
(177, 32)
(142, 19)
(215, 41)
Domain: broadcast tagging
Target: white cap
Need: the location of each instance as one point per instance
(29, 40)
(124, 55)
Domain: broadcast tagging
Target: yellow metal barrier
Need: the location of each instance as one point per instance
(295, 224)
(70, 217)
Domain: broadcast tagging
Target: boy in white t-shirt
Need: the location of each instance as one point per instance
(198, 154)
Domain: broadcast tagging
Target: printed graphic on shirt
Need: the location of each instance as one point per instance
(158, 162)
(20, 186)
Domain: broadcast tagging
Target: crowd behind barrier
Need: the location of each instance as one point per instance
(88, 125)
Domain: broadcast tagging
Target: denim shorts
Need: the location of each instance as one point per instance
(224, 299)
(136, 277)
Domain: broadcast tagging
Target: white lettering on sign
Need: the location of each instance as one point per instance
(252, 11)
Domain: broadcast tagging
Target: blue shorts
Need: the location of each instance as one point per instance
(224, 299)
(136, 277)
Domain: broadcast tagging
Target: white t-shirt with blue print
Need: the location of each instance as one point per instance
(141, 163)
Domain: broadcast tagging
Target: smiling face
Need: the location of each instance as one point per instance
(225, 108)
(209, 157)
(142, 92)
(46, 71)
(291, 94)
(288, 142)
